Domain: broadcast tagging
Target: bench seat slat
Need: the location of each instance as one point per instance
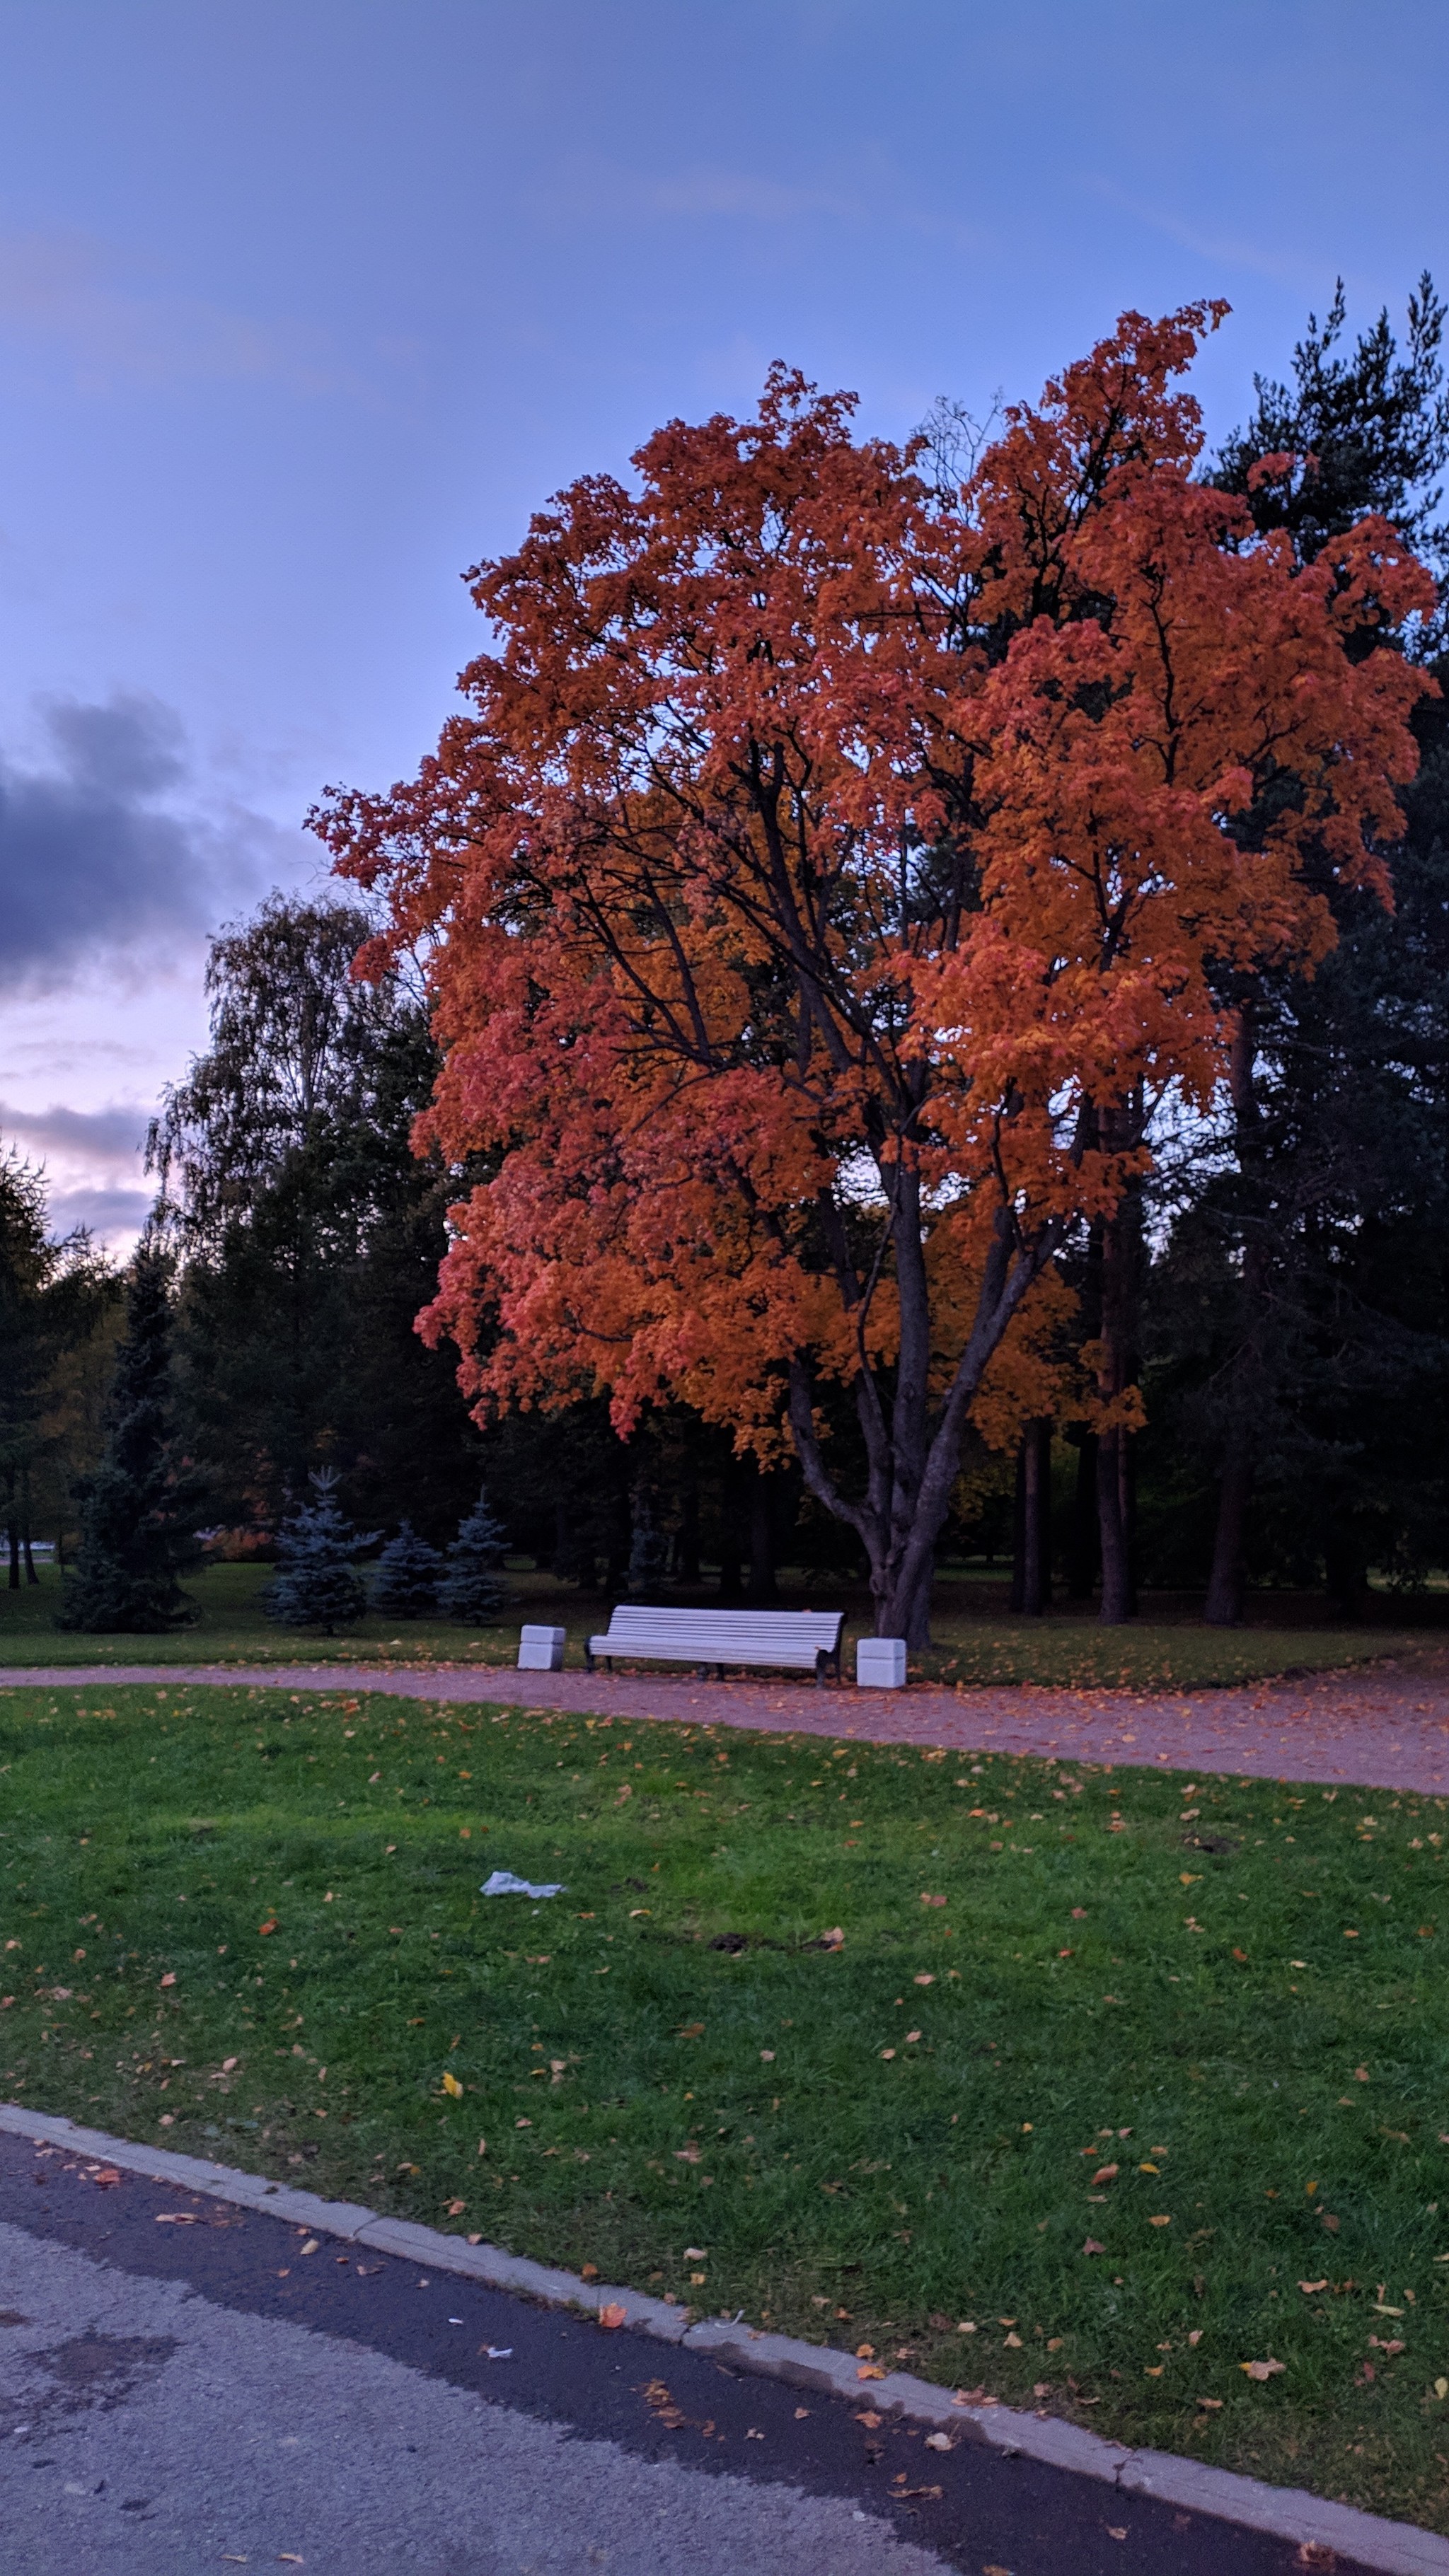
(796, 1638)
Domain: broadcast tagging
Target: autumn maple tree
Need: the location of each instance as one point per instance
(828, 878)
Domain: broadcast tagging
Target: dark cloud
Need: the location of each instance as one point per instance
(95, 854)
(107, 1214)
(104, 1139)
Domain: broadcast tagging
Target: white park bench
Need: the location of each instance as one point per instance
(805, 1640)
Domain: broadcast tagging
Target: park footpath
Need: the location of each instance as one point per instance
(203, 2343)
(1381, 1727)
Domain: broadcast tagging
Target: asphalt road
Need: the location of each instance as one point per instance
(178, 2397)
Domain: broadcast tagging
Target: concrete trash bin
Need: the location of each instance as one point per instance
(880, 1663)
(541, 1650)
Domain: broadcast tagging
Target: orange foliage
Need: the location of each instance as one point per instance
(819, 870)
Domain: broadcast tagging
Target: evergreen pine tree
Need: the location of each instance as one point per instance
(405, 1585)
(473, 1588)
(140, 1508)
(317, 1585)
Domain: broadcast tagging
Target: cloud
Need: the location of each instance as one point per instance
(97, 854)
(114, 1217)
(92, 1164)
(1219, 249)
(102, 1139)
(62, 291)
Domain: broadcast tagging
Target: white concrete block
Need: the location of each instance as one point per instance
(541, 1650)
(880, 1663)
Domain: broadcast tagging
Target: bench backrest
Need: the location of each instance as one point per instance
(717, 1632)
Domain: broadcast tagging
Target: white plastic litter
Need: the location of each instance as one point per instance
(499, 2351)
(503, 1883)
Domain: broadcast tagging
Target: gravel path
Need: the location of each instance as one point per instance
(1385, 1728)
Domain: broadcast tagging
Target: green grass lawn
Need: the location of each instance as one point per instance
(972, 1645)
(1201, 2023)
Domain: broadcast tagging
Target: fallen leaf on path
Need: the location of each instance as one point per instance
(939, 2442)
(612, 2316)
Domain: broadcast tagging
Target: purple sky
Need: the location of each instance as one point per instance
(305, 303)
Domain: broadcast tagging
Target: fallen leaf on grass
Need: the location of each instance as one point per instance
(1261, 2369)
(1160, 2222)
(270, 1925)
(168, 1980)
(1108, 2173)
(1092, 2247)
(1214, 2403)
(932, 1900)
(451, 2086)
(690, 2030)
(1311, 2289)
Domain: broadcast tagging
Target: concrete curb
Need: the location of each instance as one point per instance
(1284, 2513)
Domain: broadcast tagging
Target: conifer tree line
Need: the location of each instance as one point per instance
(1271, 1303)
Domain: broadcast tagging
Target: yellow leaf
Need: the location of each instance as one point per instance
(451, 2086)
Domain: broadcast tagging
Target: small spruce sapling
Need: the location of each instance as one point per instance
(317, 1585)
(472, 1588)
(405, 1585)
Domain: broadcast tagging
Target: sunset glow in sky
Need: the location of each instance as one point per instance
(305, 303)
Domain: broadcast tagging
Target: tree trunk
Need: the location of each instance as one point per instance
(1036, 1572)
(1223, 1607)
(762, 1540)
(30, 1574)
(1121, 1244)
(1112, 1527)
(14, 1538)
(686, 1545)
(1031, 1582)
(1086, 1545)
(1016, 1601)
(1227, 1576)
(731, 1585)
(912, 1434)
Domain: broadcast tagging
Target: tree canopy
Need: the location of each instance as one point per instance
(832, 875)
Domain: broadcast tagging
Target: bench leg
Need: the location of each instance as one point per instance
(588, 1661)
